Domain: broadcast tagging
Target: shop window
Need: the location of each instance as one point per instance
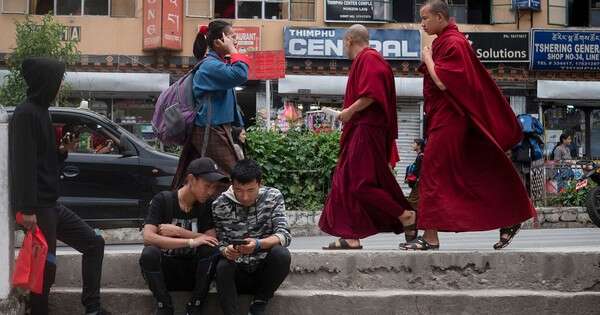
(303, 10)
(13, 6)
(198, 8)
(249, 9)
(41, 7)
(68, 7)
(263, 9)
(276, 9)
(95, 7)
(403, 11)
(576, 13)
(463, 11)
(122, 8)
(595, 134)
(82, 7)
(224, 9)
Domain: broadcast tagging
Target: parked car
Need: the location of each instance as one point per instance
(112, 176)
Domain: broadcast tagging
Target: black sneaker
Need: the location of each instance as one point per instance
(258, 307)
(162, 309)
(194, 307)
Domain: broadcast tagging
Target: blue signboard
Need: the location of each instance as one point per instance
(533, 5)
(328, 43)
(565, 50)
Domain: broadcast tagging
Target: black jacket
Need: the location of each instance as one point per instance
(34, 156)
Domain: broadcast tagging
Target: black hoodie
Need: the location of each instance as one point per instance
(34, 156)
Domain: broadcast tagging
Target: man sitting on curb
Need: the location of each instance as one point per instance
(255, 215)
(181, 245)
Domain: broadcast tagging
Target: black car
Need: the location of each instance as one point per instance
(112, 176)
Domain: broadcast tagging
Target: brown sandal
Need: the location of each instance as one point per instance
(419, 244)
(341, 244)
(511, 232)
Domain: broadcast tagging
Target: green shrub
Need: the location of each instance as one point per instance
(571, 197)
(299, 163)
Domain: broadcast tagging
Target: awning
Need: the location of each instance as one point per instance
(113, 82)
(336, 85)
(568, 90)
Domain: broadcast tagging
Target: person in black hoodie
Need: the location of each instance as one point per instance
(35, 160)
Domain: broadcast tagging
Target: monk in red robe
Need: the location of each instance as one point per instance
(467, 181)
(365, 198)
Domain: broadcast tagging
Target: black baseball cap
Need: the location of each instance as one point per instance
(207, 169)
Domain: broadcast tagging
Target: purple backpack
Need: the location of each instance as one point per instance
(175, 110)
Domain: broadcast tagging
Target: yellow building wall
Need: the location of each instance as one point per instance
(123, 36)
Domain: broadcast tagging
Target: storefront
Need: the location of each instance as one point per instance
(571, 107)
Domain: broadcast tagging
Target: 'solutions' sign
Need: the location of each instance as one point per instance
(358, 10)
(329, 43)
(565, 50)
(500, 46)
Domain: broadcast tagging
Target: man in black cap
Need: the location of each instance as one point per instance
(35, 160)
(180, 238)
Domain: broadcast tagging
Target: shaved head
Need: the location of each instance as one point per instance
(438, 7)
(358, 33)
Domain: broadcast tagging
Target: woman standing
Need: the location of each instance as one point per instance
(562, 155)
(222, 69)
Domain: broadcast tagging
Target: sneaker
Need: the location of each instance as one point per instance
(258, 307)
(162, 309)
(194, 307)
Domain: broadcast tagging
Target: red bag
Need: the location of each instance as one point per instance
(30, 264)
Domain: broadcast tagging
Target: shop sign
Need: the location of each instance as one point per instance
(533, 5)
(500, 46)
(172, 28)
(248, 38)
(266, 65)
(328, 43)
(565, 50)
(163, 24)
(71, 33)
(358, 10)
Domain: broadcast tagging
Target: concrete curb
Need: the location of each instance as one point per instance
(307, 302)
(378, 270)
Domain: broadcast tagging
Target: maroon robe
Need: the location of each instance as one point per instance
(365, 198)
(467, 182)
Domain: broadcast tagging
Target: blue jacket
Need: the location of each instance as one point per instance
(217, 79)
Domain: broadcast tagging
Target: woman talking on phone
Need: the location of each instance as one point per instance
(222, 69)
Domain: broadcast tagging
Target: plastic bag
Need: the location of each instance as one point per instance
(31, 262)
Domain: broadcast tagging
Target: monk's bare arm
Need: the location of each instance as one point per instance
(356, 107)
(431, 68)
(361, 104)
(426, 56)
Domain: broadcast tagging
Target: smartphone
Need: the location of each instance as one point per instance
(237, 242)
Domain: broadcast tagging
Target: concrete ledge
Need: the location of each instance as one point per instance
(12, 305)
(305, 302)
(377, 270)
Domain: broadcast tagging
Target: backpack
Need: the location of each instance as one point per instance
(175, 110)
(531, 148)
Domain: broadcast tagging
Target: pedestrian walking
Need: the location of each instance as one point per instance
(365, 197)
(35, 159)
(467, 182)
(213, 87)
(413, 172)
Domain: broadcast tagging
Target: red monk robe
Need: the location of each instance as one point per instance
(467, 182)
(365, 198)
